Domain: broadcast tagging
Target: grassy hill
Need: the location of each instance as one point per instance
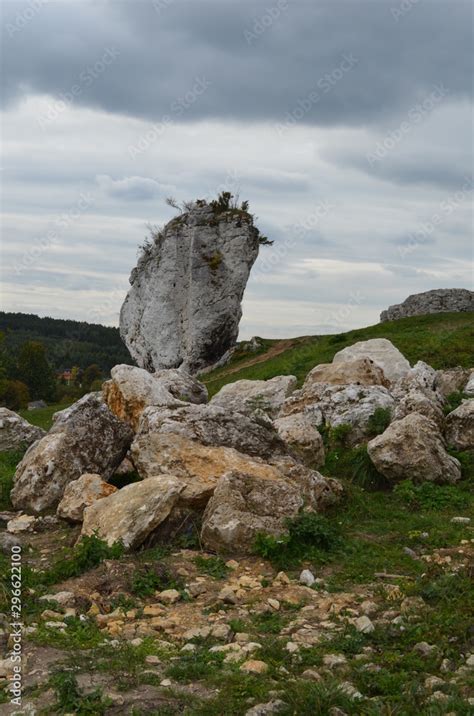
(68, 343)
(443, 340)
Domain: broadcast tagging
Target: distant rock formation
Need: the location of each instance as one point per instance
(440, 300)
(183, 309)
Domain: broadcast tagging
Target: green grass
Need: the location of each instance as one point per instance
(8, 462)
(443, 340)
(69, 699)
(213, 566)
(43, 417)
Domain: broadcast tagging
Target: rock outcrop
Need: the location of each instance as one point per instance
(440, 300)
(82, 493)
(249, 395)
(460, 426)
(132, 389)
(413, 448)
(382, 352)
(86, 437)
(16, 432)
(183, 308)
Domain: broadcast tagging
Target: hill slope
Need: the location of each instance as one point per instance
(68, 343)
(442, 340)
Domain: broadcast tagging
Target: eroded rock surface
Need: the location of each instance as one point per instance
(413, 449)
(302, 436)
(214, 426)
(243, 506)
(86, 437)
(198, 467)
(183, 308)
(133, 512)
(460, 426)
(335, 405)
(132, 389)
(248, 395)
(82, 493)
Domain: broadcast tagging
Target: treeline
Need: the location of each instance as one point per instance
(67, 343)
(54, 360)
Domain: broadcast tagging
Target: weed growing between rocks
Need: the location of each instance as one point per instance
(310, 536)
(213, 566)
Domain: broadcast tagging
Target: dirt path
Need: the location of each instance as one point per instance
(275, 350)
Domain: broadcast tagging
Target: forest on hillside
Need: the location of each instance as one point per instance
(67, 343)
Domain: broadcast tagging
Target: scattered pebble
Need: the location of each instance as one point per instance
(307, 578)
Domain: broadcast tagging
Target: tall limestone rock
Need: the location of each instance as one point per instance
(183, 308)
(439, 300)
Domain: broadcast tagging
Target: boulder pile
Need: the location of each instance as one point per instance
(246, 461)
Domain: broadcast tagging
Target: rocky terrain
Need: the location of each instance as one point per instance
(300, 544)
(440, 300)
(287, 546)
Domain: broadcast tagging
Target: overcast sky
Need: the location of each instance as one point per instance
(346, 123)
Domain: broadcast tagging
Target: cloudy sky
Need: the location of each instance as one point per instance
(346, 123)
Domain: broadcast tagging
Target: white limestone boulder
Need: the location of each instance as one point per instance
(460, 426)
(413, 449)
(132, 389)
(382, 352)
(16, 432)
(132, 513)
(82, 493)
(85, 438)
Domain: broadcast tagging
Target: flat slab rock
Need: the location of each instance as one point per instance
(214, 426)
(249, 395)
(82, 493)
(184, 305)
(132, 513)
